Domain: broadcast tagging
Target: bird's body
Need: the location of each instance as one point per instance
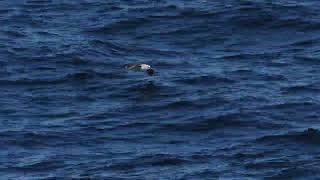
(140, 67)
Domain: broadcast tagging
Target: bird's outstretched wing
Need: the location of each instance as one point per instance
(134, 67)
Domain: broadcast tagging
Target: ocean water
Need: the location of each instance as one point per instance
(235, 95)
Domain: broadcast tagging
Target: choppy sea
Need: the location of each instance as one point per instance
(235, 94)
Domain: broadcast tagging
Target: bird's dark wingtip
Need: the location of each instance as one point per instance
(150, 72)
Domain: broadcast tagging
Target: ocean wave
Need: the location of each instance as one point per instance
(118, 26)
(310, 136)
(72, 77)
(151, 160)
(308, 171)
(125, 48)
(308, 60)
(205, 79)
(254, 75)
(250, 56)
(39, 164)
(33, 138)
(184, 105)
(308, 88)
(14, 33)
(207, 124)
(291, 105)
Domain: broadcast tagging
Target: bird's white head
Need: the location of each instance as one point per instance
(145, 67)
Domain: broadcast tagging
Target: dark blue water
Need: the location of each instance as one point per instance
(236, 93)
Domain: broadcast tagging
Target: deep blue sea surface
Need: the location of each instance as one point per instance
(236, 93)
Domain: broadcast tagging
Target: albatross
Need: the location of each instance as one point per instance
(141, 67)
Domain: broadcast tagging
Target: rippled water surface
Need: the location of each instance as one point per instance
(236, 91)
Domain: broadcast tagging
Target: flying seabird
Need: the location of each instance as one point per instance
(140, 67)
